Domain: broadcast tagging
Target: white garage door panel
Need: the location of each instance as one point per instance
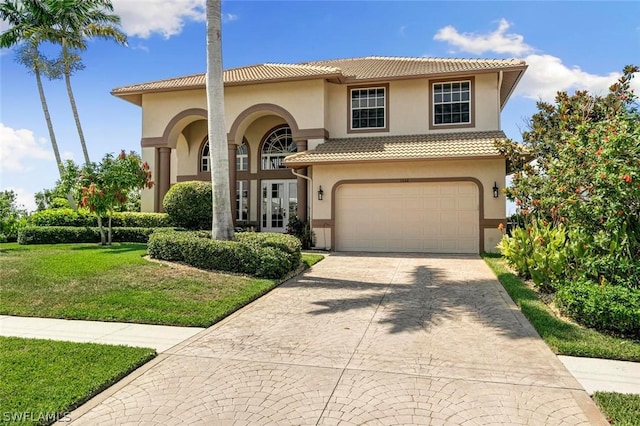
(409, 217)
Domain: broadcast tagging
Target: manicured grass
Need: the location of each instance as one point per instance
(564, 338)
(86, 281)
(310, 259)
(619, 408)
(45, 380)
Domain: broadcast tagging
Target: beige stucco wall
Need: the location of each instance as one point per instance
(487, 171)
(302, 99)
(410, 106)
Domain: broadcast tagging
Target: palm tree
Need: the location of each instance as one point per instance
(74, 21)
(29, 23)
(222, 226)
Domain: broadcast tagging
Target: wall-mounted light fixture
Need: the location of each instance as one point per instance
(495, 190)
(320, 193)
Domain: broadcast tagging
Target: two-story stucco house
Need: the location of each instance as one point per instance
(380, 153)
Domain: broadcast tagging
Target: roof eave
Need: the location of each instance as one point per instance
(513, 86)
(295, 165)
(134, 98)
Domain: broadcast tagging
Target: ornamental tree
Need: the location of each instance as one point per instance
(585, 174)
(105, 186)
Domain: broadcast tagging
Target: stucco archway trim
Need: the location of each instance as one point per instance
(253, 111)
(164, 140)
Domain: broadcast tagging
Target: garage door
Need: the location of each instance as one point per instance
(408, 217)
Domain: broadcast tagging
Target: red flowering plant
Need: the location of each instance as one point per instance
(103, 187)
(585, 175)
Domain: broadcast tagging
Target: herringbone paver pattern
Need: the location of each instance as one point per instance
(361, 339)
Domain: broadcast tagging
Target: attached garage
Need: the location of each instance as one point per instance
(429, 217)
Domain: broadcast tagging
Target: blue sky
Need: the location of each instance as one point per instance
(567, 45)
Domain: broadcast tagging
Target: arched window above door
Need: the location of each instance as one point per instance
(242, 157)
(205, 160)
(276, 146)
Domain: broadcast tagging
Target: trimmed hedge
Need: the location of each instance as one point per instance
(188, 205)
(611, 308)
(75, 234)
(69, 217)
(260, 254)
(62, 217)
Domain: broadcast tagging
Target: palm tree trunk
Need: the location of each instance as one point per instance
(52, 135)
(222, 226)
(47, 117)
(72, 100)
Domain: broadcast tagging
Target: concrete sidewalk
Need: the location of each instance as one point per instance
(604, 374)
(159, 337)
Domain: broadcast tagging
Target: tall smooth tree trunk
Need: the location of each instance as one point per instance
(72, 100)
(52, 135)
(222, 226)
(47, 117)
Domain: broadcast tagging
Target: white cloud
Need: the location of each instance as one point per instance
(4, 25)
(18, 147)
(498, 41)
(546, 75)
(68, 155)
(24, 199)
(142, 18)
(229, 17)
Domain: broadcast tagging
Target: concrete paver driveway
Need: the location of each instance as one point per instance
(360, 339)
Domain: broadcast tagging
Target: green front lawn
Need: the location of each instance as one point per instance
(564, 337)
(619, 408)
(43, 380)
(86, 281)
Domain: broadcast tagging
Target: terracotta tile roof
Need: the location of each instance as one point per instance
(375, 67)
(249, 74)
(367, 68)
(405, 147)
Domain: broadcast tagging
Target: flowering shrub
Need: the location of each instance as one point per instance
(579, 201)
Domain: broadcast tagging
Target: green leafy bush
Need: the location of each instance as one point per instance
(301, 229)
(141, 220)
(81, 217)
(263, 255)
(188, 205)
(63, 217)
(72, 234)
(606, 307)
(539, 252)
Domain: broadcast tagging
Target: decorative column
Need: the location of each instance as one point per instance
(302, 185)
(164, 174)
(232, 179)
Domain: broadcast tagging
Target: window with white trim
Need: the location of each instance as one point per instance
(205, 160)
(242, 158)
(277, 145)
(452, 102)
(368, 108)
(242, 200)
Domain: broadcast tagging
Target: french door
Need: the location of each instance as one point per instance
(279, 204)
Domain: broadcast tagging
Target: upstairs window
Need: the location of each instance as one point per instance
(242, 157)
(368, 108)
(277, 145)
(452, 103)
(205, 160)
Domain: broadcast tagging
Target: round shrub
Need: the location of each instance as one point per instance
(611, 308)
(189, 205)
(263, 255)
